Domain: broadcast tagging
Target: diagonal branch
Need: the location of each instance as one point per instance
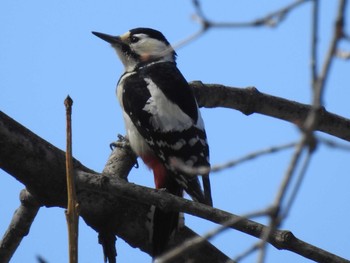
(278, 238)
(42, 170)
(197, 241)
(19, 226)
(181, 166)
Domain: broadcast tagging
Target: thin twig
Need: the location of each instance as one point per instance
(333, 144)
(337, 35)
(297, 185)
(197, 241)
(289, 173)
(251, 156)
(72, 214)
(246, 253)
(272, 19)
(275, 220)
(189, 39)
(181, 166)
(314, 39)
(199, 11)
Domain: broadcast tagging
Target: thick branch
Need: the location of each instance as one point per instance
(250, 100)
(102, 211)
(33, 161)
(19, 226)
(278, 238)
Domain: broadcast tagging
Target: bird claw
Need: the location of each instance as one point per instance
(121, 143)
(122, 138)
(113, 145)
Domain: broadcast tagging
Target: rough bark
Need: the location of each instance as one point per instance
(42, 171)
(250, 100)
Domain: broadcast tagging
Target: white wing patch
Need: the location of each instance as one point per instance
(177, 146)
(166, 116)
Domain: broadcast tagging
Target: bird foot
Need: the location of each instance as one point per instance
(122, 142)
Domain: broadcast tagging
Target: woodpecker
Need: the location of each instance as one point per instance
(162, 120)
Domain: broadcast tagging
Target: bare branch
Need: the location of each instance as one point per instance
(72, 212)
(279, 239)
(302, 173)
(246, 253)
(314, 39)
(189, 39)
(19, 226)
(338, 33)
(181, 166)
(272, 19)
(197, 241)
(333, 144)
(42, 170)
(276, 217)
(250, 100)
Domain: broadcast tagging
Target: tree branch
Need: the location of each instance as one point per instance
(278, 238)
(272, 19)
(19, 226)
(250, 100)
(124, 217)
(72, 212)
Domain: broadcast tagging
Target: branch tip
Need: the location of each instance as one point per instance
(68, 102)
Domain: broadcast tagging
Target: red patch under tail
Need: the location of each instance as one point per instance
(159, 171)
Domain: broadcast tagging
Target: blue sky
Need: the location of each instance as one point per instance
(47, 51)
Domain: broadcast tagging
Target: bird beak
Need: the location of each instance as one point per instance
(113, 40)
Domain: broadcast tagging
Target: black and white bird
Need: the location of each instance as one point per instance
(162, 120)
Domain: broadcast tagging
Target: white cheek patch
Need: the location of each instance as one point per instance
(166, 116)
(149, 48)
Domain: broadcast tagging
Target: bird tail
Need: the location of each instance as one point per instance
(165, 223)
(207, 190)
(195, 191)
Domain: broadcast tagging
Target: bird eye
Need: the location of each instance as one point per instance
(134, 39)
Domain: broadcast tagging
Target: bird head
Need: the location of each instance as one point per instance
(140, 46)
